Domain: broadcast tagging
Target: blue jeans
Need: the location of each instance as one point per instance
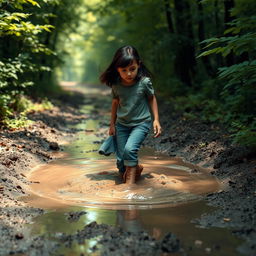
(129, 140)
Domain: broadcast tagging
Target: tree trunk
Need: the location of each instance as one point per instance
(201, 37)
(219, 29)
(168, 16)
(228, 5)
(185, 57)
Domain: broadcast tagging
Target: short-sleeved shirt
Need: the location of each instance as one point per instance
(133, 108)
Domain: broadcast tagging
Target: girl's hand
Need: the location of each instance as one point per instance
(157, 128)
(112, 130)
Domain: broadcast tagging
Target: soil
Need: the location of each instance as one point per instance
(201, 143)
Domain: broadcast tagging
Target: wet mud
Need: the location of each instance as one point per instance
(208, 145)
(164, 181)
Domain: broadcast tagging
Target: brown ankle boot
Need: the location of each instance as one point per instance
(139, 169)
(129, 175)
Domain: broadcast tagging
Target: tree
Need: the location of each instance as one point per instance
(19, 43)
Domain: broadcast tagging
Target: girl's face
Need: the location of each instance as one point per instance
(129, 73)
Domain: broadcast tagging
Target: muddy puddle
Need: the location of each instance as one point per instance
(166, 198)
(87, 182)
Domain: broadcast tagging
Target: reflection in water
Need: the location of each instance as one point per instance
(129, 221)
(157, 222)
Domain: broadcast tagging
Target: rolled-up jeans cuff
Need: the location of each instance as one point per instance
(130, 163)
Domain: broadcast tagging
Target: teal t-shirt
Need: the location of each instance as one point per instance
(133, 108)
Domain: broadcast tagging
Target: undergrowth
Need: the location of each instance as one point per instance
(15, 115)
(241, 128)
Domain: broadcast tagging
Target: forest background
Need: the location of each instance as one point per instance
(202, 54)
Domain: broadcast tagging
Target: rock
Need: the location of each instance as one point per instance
(6, 162)
(19, 236)
(194, 171)
(170, 243)
(54, 146)
(74, 216)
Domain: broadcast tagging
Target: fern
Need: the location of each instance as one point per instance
(238, 95)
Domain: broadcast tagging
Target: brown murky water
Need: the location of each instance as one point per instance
(96, 182)
(167, 197)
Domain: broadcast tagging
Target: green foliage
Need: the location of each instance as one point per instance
(21, 121)
(225, 96)
(238, 95)
(241, 127)
(5, 110)
(245, 135)
(64, 20)
(18, 4)
(112, 24)
(16, 28)
(15, 24)
(25, 105)
(17, 115)
(10, 72)
(36, 36)
(29, 34)
(196, 106)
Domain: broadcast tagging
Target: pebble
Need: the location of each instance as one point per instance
(19, 236)
(54, 146)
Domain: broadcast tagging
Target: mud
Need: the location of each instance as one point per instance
(164, 180)
(118, 242)
(204, 144)
(208, 145)
(21, 150)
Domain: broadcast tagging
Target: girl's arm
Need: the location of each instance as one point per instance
(154, 109)
(112, 130)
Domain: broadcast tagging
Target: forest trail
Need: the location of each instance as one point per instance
(83, 184)
(202, 57)
(72, 226)
(83, 177)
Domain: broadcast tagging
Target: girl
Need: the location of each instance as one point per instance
(133, 104)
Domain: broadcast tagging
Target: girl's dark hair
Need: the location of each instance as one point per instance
(123, 57)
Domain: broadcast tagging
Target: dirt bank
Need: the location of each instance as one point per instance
(202, 143)
(21, 150)
(208, 145)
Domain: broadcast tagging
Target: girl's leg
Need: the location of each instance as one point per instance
(129, 176)
(122, 135)
(137, 136)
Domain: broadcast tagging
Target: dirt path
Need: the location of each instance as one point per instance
(200, 143)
